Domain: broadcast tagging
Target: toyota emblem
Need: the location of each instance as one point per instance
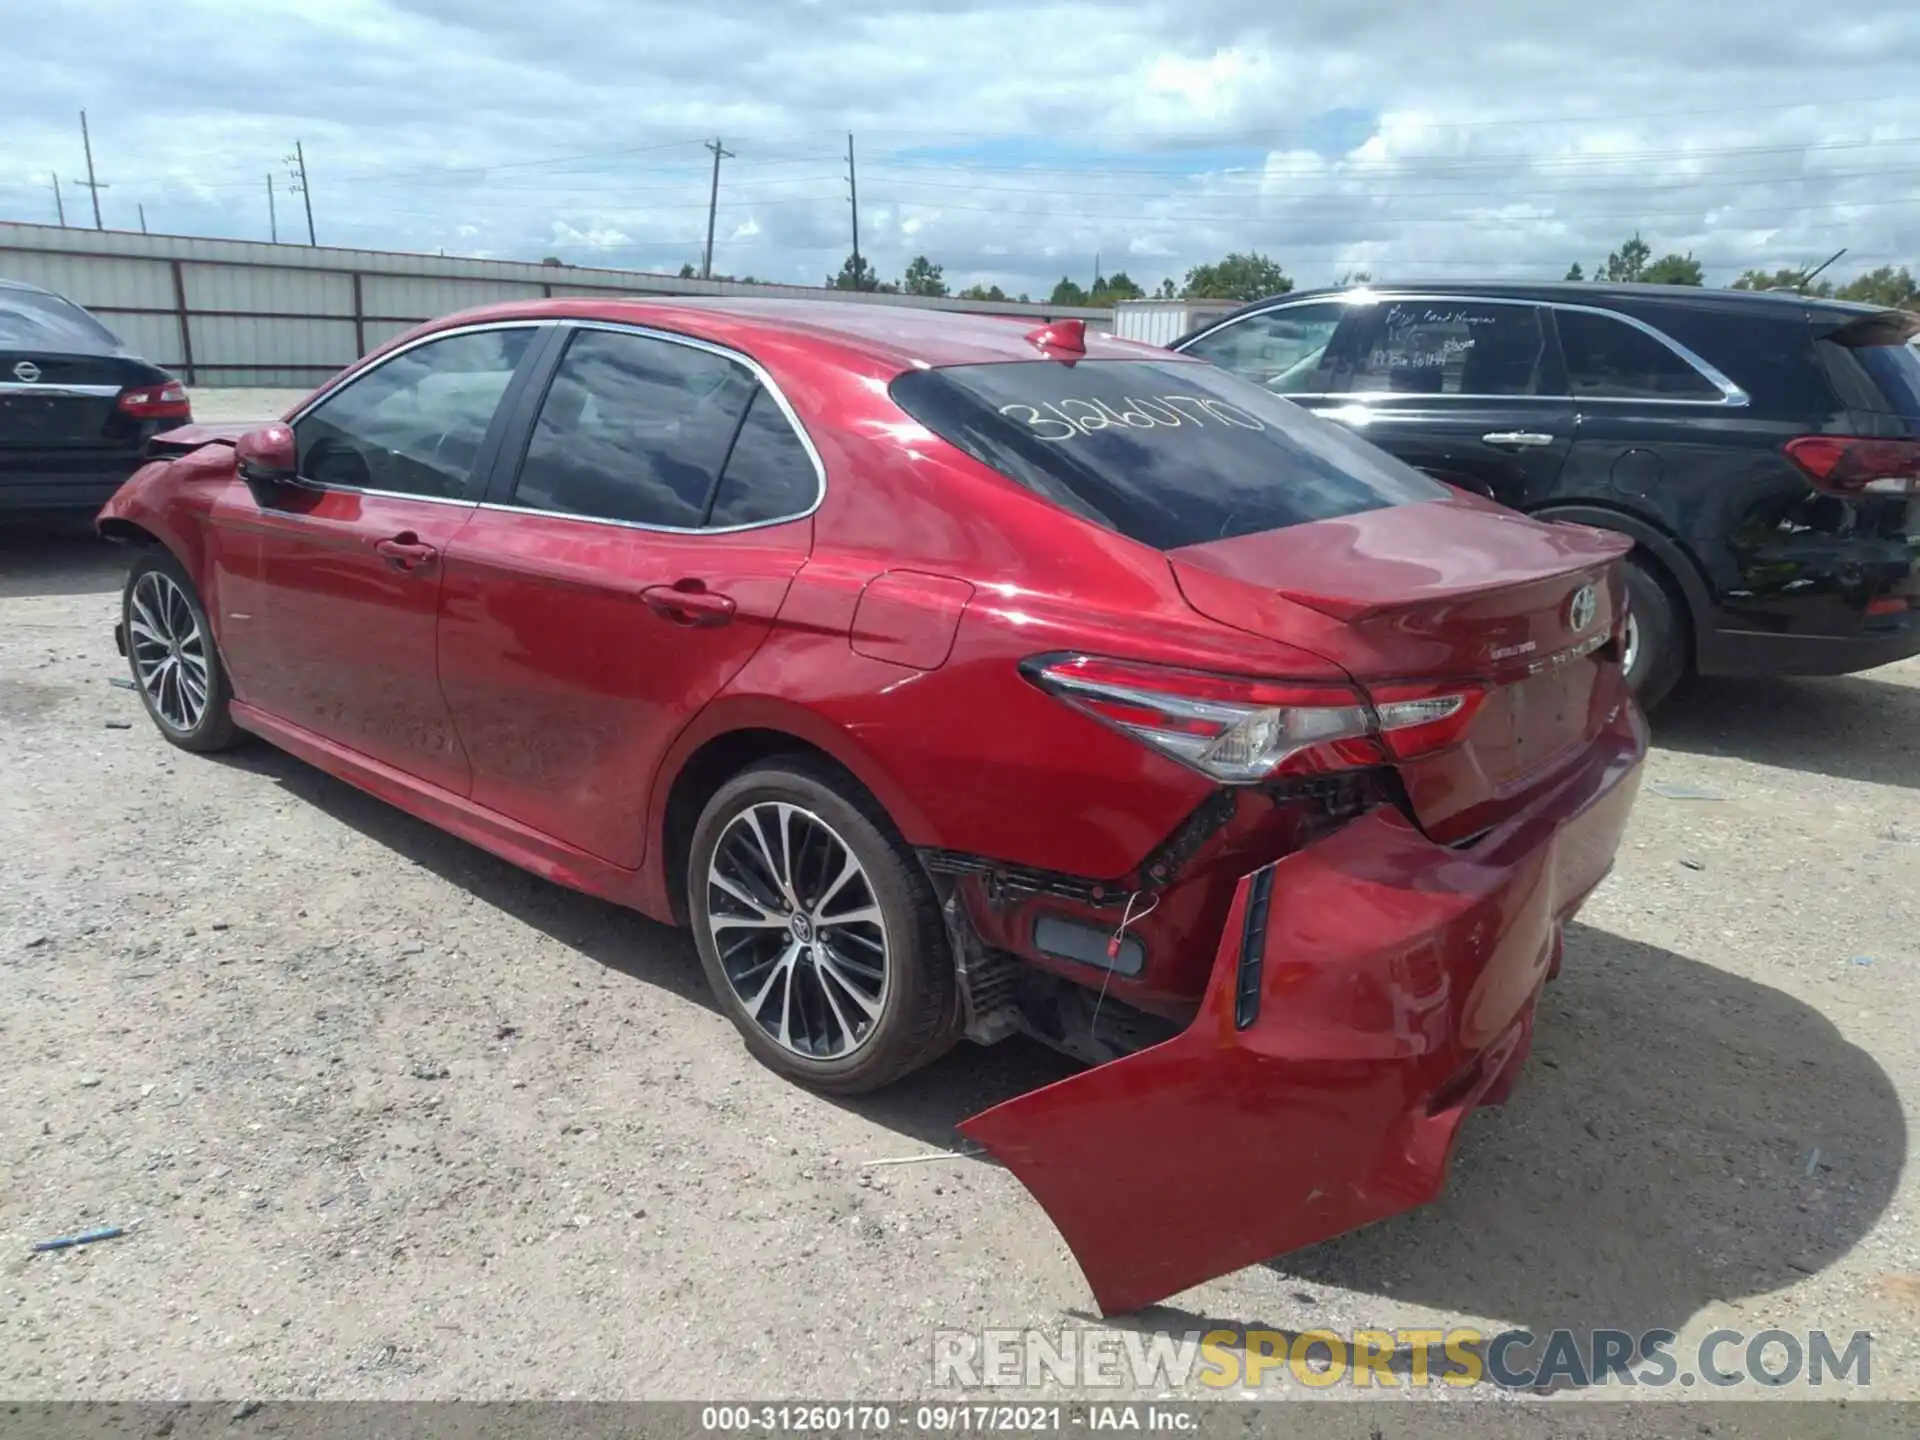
(26, 371)
(1581, 609)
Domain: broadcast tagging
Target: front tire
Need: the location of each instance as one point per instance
(819, 933)
(175, 663)
(1656, 652)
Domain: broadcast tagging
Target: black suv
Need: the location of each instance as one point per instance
(1763, 450)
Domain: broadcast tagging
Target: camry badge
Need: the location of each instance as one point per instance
(1581, 609)
(26, 371)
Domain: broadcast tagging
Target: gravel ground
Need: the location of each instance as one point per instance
(394, 1119)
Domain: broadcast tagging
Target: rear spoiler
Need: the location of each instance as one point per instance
(185, 439)
(1888, 327)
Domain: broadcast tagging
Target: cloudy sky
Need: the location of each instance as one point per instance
(1011, 142)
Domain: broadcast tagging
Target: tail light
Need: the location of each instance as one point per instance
(167, 401)
(1239, 731)
(1844, 465)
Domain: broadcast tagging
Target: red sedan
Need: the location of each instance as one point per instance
(949, 678)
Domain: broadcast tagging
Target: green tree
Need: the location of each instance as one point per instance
(1628, 263)
(856, 273)
(1674, 270)
(1109, 290)
(1574, 272)
(687, 272)
(1168, 290)
(1885, 286)
(1780, 280)
(1249, 276)
(1356, 277)
(923, 277)
(1067, 293)
(983, 292)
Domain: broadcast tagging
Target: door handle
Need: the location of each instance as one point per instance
(405, 552)
(1519, 439)
(684, 604)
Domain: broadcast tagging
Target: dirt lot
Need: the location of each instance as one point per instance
(392, 1118)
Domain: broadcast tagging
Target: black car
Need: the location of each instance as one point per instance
(1762, 449)
(77, 407)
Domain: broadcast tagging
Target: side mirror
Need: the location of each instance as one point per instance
(267, 456)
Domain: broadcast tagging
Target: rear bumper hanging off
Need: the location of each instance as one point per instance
(1368, 992)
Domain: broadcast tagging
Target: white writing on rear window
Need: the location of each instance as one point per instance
(1063, 420)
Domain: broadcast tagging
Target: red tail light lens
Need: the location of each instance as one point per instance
(1239, 731)
(1843, 465)
(156, 402)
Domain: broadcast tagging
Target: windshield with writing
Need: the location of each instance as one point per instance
(1167, 453)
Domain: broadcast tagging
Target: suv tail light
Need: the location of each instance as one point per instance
(1844, 465)
(167, 401)
(1239, 731)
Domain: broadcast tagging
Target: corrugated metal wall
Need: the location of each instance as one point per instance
(239, 312)
(1161, 322)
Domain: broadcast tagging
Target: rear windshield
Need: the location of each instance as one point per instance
(30, 318)
(1168, 453)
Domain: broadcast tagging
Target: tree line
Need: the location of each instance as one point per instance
(1249, 275)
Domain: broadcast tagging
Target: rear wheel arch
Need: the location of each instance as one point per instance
(706, 762)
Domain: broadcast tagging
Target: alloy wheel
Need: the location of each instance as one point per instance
(169, 651)
(1632, 650)
(797, 925)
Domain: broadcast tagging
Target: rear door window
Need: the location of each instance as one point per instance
(770, 474)
(1611, 360)
(634, 429)
(1289, 351)
(1452, 347)
(1167, 453)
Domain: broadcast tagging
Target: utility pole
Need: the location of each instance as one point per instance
(297, 168)
(59, 202)
(713, 204)
(143, 217)
(1096, 275)
(853, 196)
(96, 186)
(273, 218)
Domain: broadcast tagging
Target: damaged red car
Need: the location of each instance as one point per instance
(950, 679)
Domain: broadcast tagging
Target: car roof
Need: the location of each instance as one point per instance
(903, 336)
(1604, 294)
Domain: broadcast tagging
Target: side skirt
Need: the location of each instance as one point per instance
(493, 832)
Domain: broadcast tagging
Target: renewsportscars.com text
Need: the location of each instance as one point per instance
(1247, 1359)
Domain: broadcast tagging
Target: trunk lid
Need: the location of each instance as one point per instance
(1455, 589)
(68, 399)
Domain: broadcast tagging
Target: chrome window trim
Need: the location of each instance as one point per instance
(693, 342)
(91, 392)
(339, 385)
(1731, 395)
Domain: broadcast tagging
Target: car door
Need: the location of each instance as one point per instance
(330, 588)
(620, 576)
(1471, 391)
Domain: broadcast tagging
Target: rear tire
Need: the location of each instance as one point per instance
(1657, 651)
(819, 932)
(170, 650)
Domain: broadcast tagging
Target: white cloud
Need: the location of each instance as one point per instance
(1007, 141)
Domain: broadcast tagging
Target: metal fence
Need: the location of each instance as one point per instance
(241, 312)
